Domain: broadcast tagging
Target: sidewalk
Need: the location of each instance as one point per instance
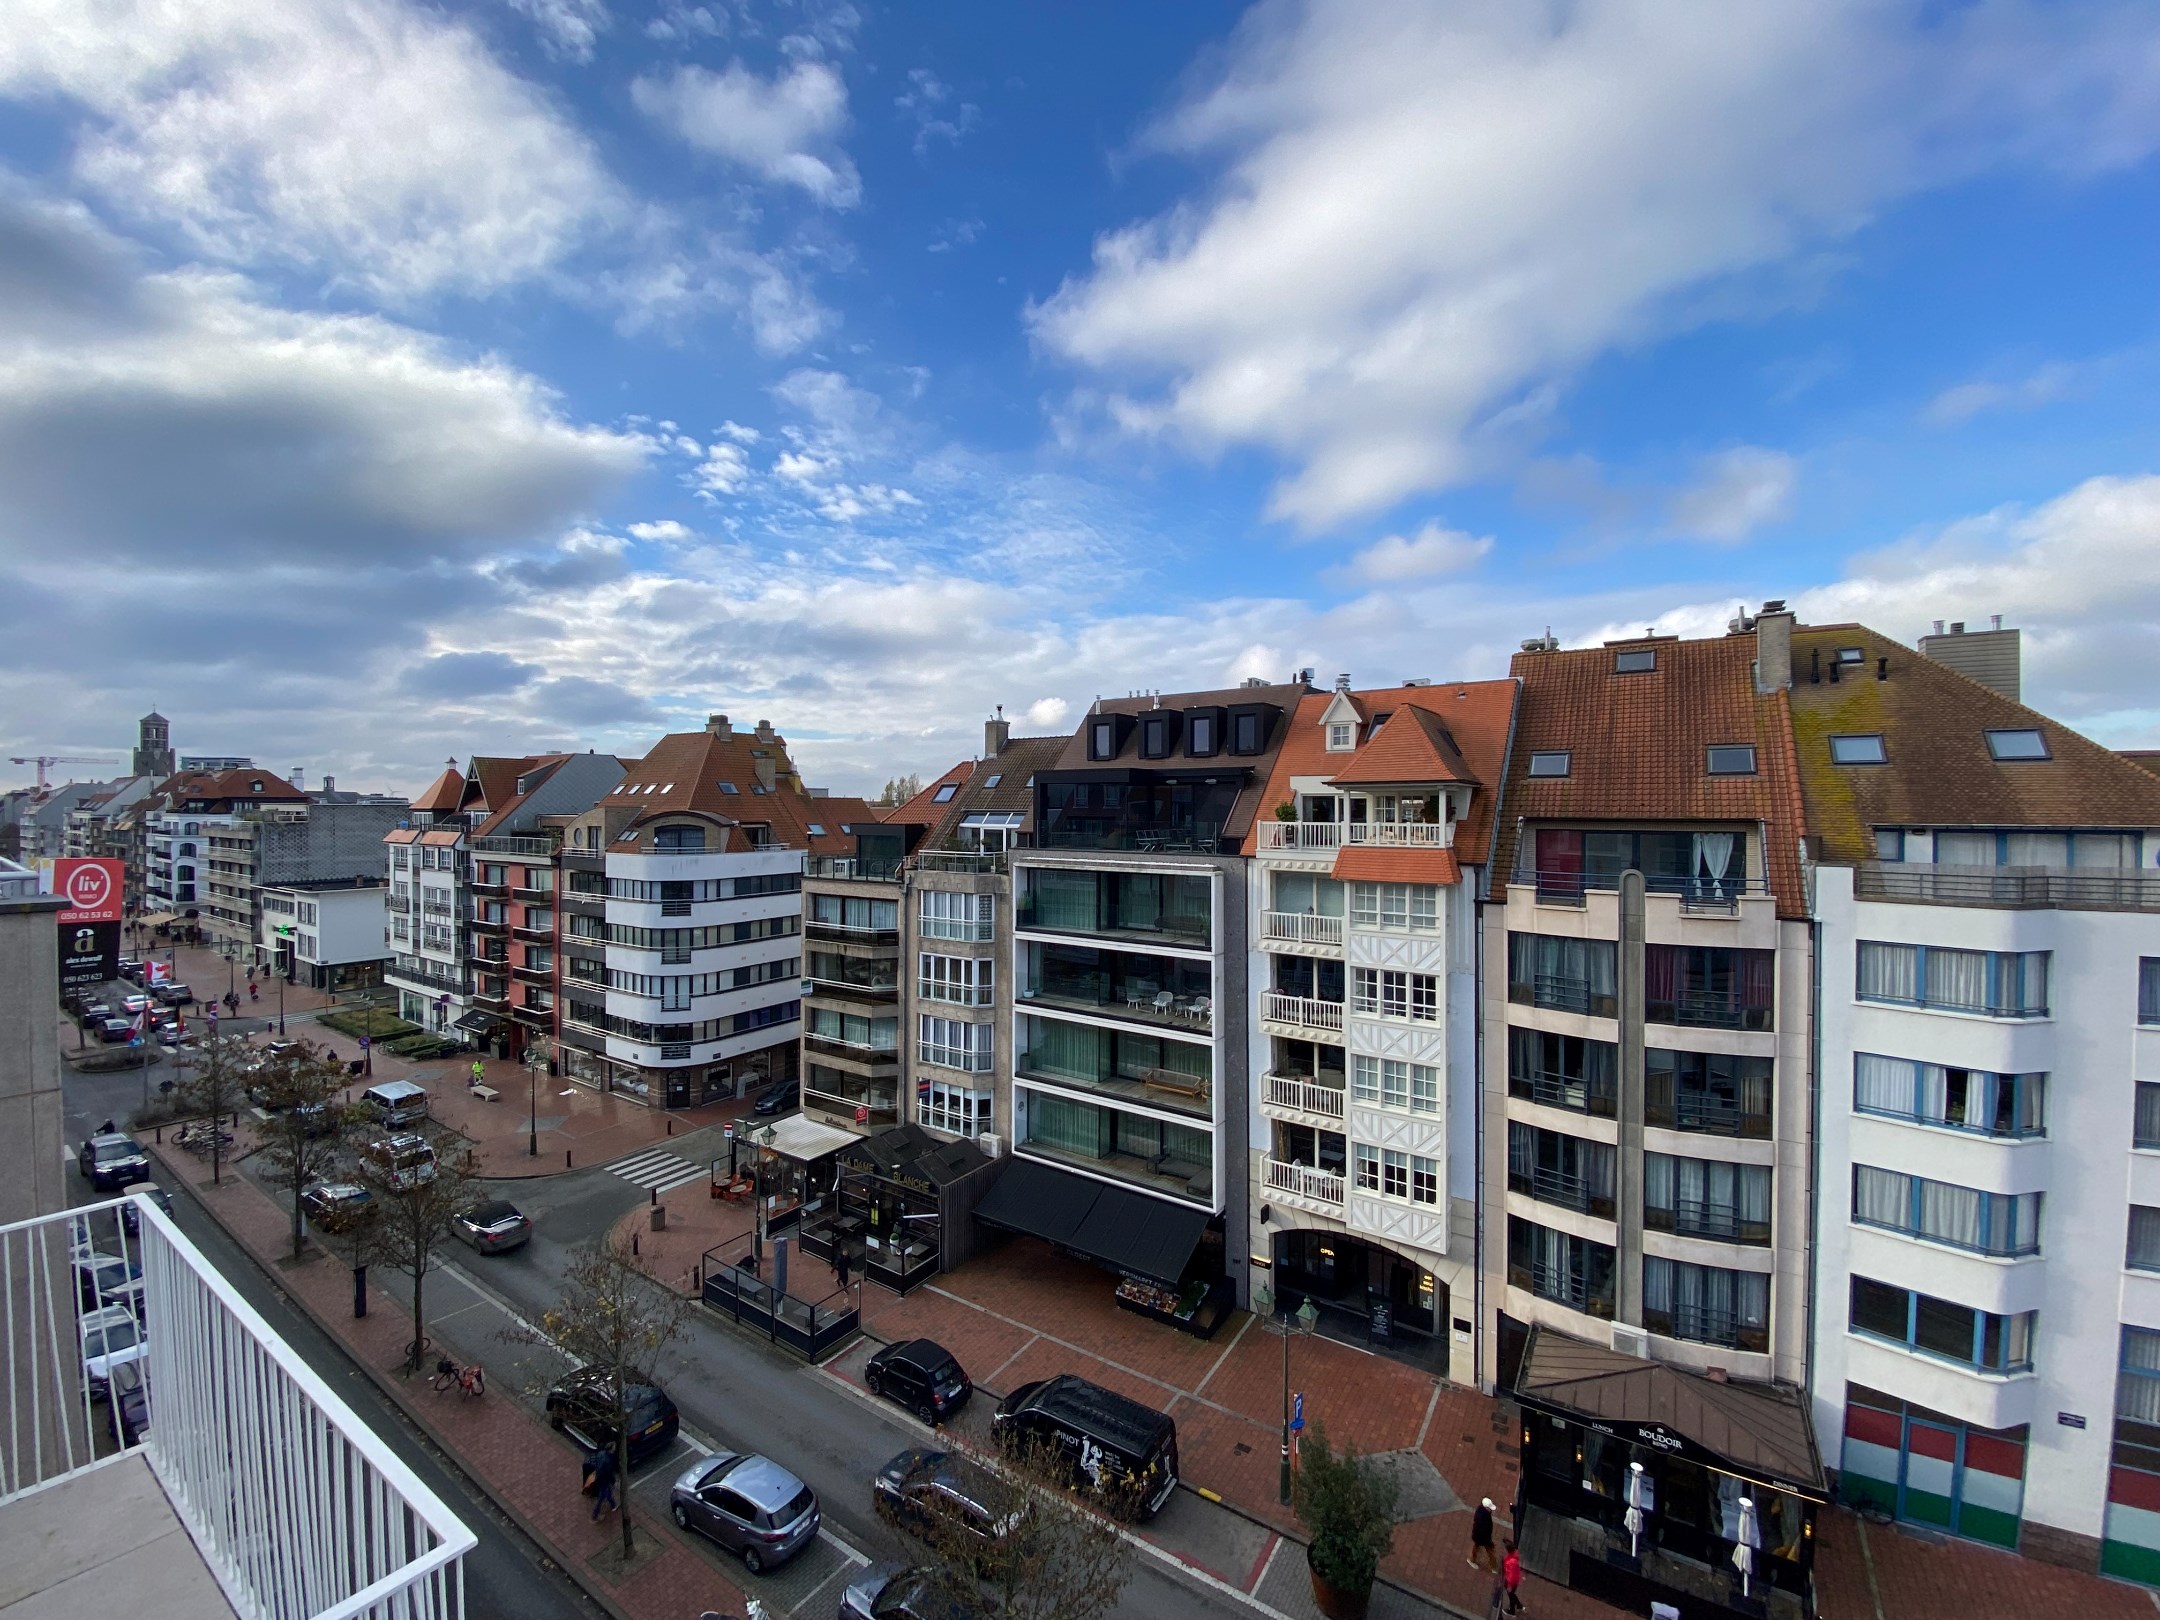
(511, 1453)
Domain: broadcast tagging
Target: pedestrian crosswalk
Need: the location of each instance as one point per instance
(658, 1170)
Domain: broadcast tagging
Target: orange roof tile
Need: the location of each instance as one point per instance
(1412, 746)
(1381, 863)
(441, 796)
(926, 808)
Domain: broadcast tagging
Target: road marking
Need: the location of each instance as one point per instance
(1431, 1406)
(657, 1170)
(1265, 1563)
(1225, 1356)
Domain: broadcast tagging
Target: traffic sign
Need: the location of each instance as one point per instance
(364, 1043)
(1297, 1412)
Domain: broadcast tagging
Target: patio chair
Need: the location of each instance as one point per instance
(1201, 1009)
(1165, 1003)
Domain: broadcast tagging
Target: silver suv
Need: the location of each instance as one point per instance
(750, 1505)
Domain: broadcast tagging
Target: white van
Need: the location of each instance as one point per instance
(396, 1102)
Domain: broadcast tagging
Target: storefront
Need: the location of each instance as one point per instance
(1642, 1481)
(902, 1206)
(798, 1168)
(1368, 1295)
(1169, 1255)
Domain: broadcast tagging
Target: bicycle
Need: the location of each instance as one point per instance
(470, 1380)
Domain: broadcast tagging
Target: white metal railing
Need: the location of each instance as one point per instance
(296, 1506)
(1300, 834)
(1301, 928)
(1296, 1091)
(1305, 1180)
(1302, 1011)
(1404, 834)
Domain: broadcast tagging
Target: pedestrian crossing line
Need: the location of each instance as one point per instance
(657, 1170)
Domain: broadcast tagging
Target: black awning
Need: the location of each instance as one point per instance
(1124, 1230)
(477, 1023)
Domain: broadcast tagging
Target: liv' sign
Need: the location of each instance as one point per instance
(90, 922)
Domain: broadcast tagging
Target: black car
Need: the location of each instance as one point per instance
(94, 1011)
(111, 1161)
(888, 1592)
(922, 1376)
(173, 995)
(934, 1494)
(336, 1206)
(144, 1189)
(115, 1031)
(128, 1389)
(493, 1226)
(580, 1405)
(778, 1098)
(108, 1279)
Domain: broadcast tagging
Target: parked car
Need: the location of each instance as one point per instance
(136, 1003)
(781, 1097)
(128, 1389)
(398, 1163)
(891, 1592)
(173, 995)
(115, 1031)
(922, 1490)
(493, 1227)
(1110, 1443)
(144, 1189)
(579, 1404)
(921, 1375)
(111, 1337)
(107, 1279)
(95, 1011)
(111, 1160)
(174, 1035)
(750, 1505)
(130, 967)
(335, 1206)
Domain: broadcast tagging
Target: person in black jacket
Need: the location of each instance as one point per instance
(1481, 1537)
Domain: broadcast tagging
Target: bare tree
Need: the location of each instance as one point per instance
(900, 789)
(1035, 1550)
(616, 1323)
(216, 1087)
(305, 1138)
(411, 1224)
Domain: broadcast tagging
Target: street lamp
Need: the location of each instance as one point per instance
(1299, 1325)
(536, 1059)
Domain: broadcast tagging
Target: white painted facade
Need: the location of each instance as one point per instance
(331, 927)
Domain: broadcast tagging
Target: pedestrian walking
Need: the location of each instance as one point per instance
(840, 1264)
(479, 1072)
(1482, 1555)
(1511, 1577)
(601, 1466)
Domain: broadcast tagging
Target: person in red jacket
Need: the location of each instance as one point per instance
(1511, 1578)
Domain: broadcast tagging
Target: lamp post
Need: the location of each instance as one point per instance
(1298, 1325)
(536, 1058)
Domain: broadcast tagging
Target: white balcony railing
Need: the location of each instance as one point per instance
(1301, 928)
(1404, 834)
(1301, 835)
(294, 1504)
(1303, 1011)
(1305, 1181)
(1295, 1091)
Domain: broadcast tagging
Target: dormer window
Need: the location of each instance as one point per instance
(1203, 734)
(1634, 660)
(1102, 740)
(1248, 732)
(1341, 737)
(1158, 734)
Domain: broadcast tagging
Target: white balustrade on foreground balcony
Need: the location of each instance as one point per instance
(1302, 1012)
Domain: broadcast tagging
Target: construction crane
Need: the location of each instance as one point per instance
(44, 788)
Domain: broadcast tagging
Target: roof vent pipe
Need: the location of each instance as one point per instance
(1938, 627)
(1995, 620)
(1882, 669)
(1342, 682)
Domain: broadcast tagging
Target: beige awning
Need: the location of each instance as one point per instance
(157, 919)
(799, 1137)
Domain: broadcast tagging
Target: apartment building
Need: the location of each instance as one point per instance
(1987, 1316)
(851, 966)
(422, 910)
(329, 935)
(681, 920)
(1374, 834)
(1647, 1029)
(1130, 1026)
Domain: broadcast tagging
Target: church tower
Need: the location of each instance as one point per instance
(153, 746)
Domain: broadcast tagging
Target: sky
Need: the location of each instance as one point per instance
(382, 383)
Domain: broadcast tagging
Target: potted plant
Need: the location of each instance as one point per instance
(1286, 811)
(1349, 1508)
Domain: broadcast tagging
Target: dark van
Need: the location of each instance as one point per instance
(1119, 1447)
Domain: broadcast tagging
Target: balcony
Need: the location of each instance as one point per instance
(533, 1017)
(491, 996)
(1286, 836)
(489, 925)
(1302, 1012)
(322, 1521)
(1692, 1217)
(1171, 1090)
(1706, 1009)
(513, 844)
(1139, 1003)
(1559, 1187)
(851, 1051)
(397, 902)
(1570, 1091)
(1563, 1287)
(1179, 931)
(1305, 1180)
(531, 897)
(850, 933)
(489, 891)
(1301, 928)
(1300, 1094)
(1152, 838)
(1709, 1115)
(535, 975)
(534, 936)
(851, 869)
(961, 860)
(1697, 895)
(869, 987)
(1704, 1324)
(2010, 888)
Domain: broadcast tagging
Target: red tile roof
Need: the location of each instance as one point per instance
(683, 772)
(1411, 746)
(441, 796)
(260, 786)
(1376, 863)
(926, 808)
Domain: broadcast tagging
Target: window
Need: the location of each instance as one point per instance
(1158, 735)
(1889, 843)
(944, 794)
(1563, 1071)
(1341, 738)
(731, 789)
(2144, 1253)
(1708, 986)
(1634, 660)
(1203, 734)
(2017, 744)
(1396, 1084)
(1938, 1327)
(1715, 1093)
(943, 1106)
(2149, 989)
(1706, 1198)
(853, 914)
(1567, 975)
(2145, 1123)
(855, 1029)
(1852, 655)
(679, 838)
(992, 780)
(1102, 740)
(1556, 1168)
(1706, 1304)
(1862, 749)
(1987, 1223)
(967, 980)
(1396, 995)
(1999, 984)
(1959, 1099)
(1402, 907)
(1248, 733)
(949, 915)
(954, 1044)
(1730, 759)
(1559, 1266)
(1553, 762)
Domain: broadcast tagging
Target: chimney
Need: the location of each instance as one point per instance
(996, 734)
(1994, 657)
(298, 773)
(767, 773)
(329, 784)
(718, 725)
(764, 731)
(1773, 648)
(1342, 683)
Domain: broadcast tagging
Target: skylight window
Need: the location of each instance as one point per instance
(944, 794)
(1555, 762)
(1852, 655)
(993, 781)
(2025, 744)
(731, 789)
(1865, 749)
(1634, 660)
(817, 829)
(1730, 759)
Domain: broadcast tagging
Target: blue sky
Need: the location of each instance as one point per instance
(383, 382)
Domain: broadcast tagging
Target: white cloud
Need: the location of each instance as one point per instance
(925, 100)
(568, 29)
(369, 140)
(724, 471)
(667, 529)
(1957, 405)
(1047, 714)
(784, 130)
(1740, 491)
(1428, 213)
(1433, 550)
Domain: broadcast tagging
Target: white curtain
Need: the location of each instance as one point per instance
(1950, 1213)
(1889, 972)
(1956, 978)
(1964, 849)
(2037, 849)
(1881, 1196)
(2103, 849)
(1884, 1085)
(1658, 1179)
(1753, 1196)
(1713, 854)
(2137, 1394)
(1934, 1091)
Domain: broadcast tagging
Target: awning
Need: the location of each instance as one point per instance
(158, 919)
(801, 1138)
(1124, 1230)
(1756, 1431)
(476, 1023)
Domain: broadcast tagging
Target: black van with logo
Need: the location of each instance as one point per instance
(1122, 1449)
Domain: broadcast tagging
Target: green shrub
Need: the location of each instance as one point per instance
(1348, 1507)
(378, 1023)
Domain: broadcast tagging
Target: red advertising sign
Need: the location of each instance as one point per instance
(90, 887)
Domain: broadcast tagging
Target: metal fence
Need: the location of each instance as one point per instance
(297, 1507)
(2100, 888)
(810, 1328)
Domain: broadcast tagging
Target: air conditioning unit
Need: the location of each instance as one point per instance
(1630, 1341)
(993, 1146)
